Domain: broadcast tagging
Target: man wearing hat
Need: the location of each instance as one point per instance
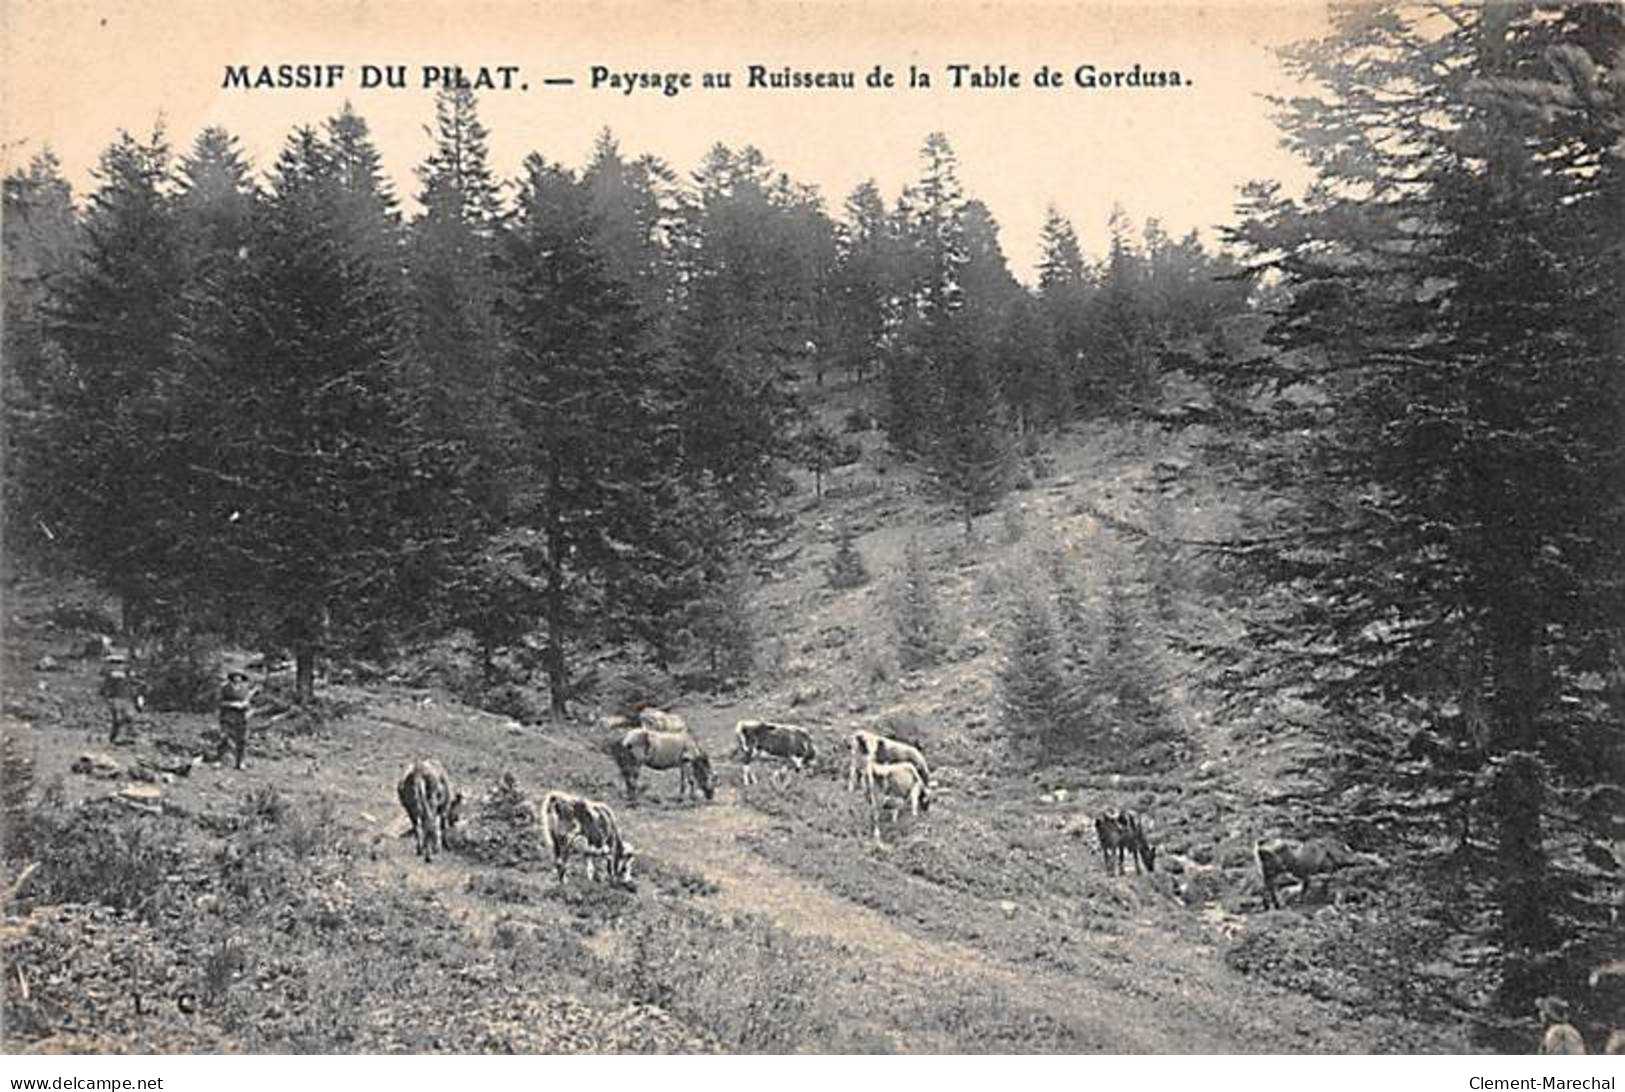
(235, 695)
(123, 694)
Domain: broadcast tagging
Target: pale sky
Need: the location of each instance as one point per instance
(76, 72)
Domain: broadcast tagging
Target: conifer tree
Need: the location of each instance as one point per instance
(971, 451)
(1031, 680)
(1453, 534)
(215, 201)
(749, 310)
(593, 402)
(40, 242)
(456, 339)
(865, 296)
(335, 514)
(915, 611)
(105, 458)
(636, 203)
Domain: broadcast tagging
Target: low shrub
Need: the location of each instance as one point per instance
(512, 700)
(636, 683)
(182, 674)
(101, 853)
(846, 568)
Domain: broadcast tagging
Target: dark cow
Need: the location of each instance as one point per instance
(664, 751)
(785, 741)
(884, 782)
(870, 747)
(1280, 857)
(1121, 833)
(574, 824)
(425, 792)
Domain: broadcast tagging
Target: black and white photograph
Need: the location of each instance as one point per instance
(1051, 527)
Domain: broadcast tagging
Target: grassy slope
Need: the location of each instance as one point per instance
(767, 920)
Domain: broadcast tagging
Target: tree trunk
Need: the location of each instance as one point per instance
(304, 674)
(558, 677)
(1526, 925)
(1519, 794)
(132, 616)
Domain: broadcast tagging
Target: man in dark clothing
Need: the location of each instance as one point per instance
(123, 694)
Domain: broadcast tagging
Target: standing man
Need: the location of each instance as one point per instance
(235, 695)
(123, 694)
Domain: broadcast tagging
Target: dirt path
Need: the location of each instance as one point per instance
(1147, 990)
(1198, 1012)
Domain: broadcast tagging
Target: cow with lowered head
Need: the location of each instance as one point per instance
(871, 747)
(886, 782)
(1279, 858)
(426, 793)
(1121, 833)
(665, 750)
(574, 824)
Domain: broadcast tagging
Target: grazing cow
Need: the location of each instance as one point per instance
(884, 782)
(1278, 857)
(657, 720)
(1120, 833)
(662, 751)
(786, 741)
(425, 793)
(870, 747)
(1562, 1039)
(576, 824)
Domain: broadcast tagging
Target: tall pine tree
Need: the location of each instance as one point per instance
(335, 514)
(1441, 410)
(105, 456)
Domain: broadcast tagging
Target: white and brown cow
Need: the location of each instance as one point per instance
(1282, 857)
(886, 782)
(574, 824)
(868, 747)
(788, 742)
(426, 793)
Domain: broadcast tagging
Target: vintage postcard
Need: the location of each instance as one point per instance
(1033, 527)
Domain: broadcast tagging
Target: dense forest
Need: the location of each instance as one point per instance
(560, 414)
